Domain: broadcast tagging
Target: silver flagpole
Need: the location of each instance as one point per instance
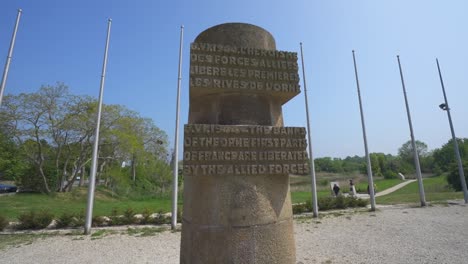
(92, 177)
(176, 138)
(455, 143)
(369, 167)
(312, 164)
(422, 196)
(10, 54)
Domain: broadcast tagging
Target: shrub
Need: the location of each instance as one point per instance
(33, 220)
(437, 170)
(299, 208)
(340, 202)
(115, 218)
(78, 220)
(390, 175)
(351, 202)
(325, 203)
(160, 219)
(128, 217)
(146, 216)
(65, 220)
(453, 177)
(3, 223)
(362, 202)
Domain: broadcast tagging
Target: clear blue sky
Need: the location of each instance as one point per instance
(64, 41)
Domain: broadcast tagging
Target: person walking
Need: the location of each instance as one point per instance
(352, 188)
(336, 189)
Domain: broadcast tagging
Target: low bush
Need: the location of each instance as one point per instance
(299, 208)
(3, 223)
(160, 219)
(453, 178)
(390, 175)
(78, 220)
(326, 203)
(340, 202)
(145, 216)
(33, 220)
(128, 217)
(362, 202)
(330, 203)
(65, 220)
(115, 219)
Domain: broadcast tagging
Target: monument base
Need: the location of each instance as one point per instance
(271, 243)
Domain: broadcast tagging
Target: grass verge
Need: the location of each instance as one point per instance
(435, 188)
(75, 202)
(16, 240)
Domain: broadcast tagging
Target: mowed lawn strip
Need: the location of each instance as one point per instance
(435, 188)
(12, 206)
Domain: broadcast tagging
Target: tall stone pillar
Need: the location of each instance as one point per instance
(237, 153)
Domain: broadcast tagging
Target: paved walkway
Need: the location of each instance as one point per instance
(387, 191)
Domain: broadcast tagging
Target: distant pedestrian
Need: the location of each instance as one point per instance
(336, 189)
(352, 188)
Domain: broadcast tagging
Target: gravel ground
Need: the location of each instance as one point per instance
(396, 234)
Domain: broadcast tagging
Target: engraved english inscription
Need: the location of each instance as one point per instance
(244, 150)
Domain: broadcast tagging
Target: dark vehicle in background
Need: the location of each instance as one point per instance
(5, 188)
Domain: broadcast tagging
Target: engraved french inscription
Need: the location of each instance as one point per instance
(220, 67)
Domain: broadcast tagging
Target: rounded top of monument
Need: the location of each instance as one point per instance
(239, 35)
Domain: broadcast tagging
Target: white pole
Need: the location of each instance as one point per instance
(92, 177)
(312, 163)
(369, 167)
(422, 196)
(455, 143)
(10, 54)
(176, 138)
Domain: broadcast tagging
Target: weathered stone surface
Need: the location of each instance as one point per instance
(238, 34)
(237, 154)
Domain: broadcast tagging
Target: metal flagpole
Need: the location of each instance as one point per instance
(176, 139)
(10, 54)
(92, 177)
(312, 164)
(455, 143)
(422, 196)
(369, 167)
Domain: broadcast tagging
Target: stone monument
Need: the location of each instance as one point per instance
(237, 153)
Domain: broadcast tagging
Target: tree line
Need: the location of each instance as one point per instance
(436, 162)
(46, 140)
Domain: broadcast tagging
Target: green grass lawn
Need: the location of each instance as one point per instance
(435, 188)
(382, 184)
(11, 207)
(75, 202)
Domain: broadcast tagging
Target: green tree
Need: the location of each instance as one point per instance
(55, 131)
(445, 156)
(353, 164)
(406, 150)
(453, 177)
(11, 163)
(328, 164)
